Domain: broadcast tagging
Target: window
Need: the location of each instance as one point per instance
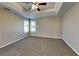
(33, 26)
(26, 26)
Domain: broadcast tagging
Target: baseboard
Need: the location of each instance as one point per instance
(71, 47)
(12, 42)
(46, 37)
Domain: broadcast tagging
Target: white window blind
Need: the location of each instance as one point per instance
(26, 26)
(33, 26)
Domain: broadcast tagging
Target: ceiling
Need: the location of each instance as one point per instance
(27, 6)
(50, 9)
(25, 9)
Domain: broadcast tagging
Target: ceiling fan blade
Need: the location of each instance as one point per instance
(42, 3)
(38, 9)
(26, 2)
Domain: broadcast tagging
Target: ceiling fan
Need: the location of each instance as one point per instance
(35, 5)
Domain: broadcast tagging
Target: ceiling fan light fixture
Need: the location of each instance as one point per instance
(34, 7)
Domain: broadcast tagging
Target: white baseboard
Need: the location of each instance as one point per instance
(71, 47)
(47, 36)
(12, 42)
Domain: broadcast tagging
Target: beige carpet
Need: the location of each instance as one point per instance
(36, 46)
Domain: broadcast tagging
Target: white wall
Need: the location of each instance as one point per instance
(71, 27)
(48, 27)
(11, 28)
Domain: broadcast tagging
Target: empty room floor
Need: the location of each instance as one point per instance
(38, 46)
